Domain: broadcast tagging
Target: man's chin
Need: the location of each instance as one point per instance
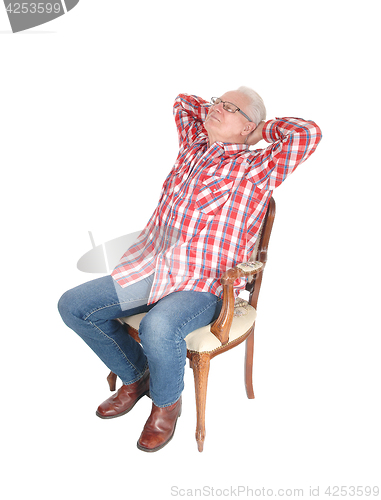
(211, 124)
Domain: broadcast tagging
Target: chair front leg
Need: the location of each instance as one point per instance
(200, 364)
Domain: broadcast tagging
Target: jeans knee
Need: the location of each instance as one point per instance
(155, 331)
(65, 308)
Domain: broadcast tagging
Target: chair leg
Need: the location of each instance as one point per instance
(111, 379)
(200, 364)
(249, 354)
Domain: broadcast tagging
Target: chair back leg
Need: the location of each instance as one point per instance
(111, 379)
(249, 355)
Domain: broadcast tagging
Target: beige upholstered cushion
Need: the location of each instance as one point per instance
(248, 267)
(202, 339)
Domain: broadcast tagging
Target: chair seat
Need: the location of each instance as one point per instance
(202, 339)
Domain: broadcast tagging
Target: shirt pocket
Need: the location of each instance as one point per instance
(212, 194)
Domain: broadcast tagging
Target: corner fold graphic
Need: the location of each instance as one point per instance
(70, 4)
(26, 15)
(96, 259)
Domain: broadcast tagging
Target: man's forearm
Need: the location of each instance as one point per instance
(194, 106)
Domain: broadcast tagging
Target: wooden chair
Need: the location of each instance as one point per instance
(234, 325)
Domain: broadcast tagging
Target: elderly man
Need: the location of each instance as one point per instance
(207, 220)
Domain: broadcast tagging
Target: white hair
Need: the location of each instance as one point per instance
(257, 109)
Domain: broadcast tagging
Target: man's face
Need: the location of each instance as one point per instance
(224, 126)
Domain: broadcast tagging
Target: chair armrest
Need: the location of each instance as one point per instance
(221, 327)
(241, 270)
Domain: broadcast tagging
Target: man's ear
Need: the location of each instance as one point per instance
(249, 128)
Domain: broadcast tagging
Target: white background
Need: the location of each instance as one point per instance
(87, 138)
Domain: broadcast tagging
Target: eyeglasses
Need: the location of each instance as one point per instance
(228, 106)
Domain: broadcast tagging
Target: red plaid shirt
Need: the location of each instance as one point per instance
(212, 203)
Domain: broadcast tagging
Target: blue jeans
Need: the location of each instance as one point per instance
(91, 310)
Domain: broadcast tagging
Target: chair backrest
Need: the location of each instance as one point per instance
(260, 251)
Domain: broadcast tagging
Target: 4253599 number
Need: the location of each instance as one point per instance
(357, 491)
(33, 8)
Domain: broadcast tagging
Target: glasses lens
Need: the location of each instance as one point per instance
(230, 107)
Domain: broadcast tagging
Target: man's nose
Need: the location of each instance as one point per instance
(218, 107)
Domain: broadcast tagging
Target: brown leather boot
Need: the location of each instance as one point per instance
(124, 399)
(160, 427)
